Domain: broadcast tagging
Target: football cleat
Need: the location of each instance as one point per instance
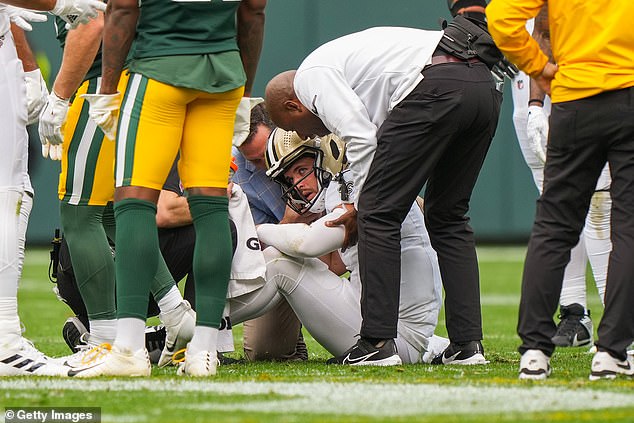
(604, 366)
(106, 360)
(179, 327)
(364, 353)
(467, 353)
(85, 351)
(19, 357)
(199, 364)
(155, 341)
(535, 365)
(575, 327)
(72, 332)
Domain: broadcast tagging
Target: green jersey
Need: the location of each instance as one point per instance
(171, 28)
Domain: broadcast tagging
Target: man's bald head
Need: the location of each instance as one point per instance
(285, 109)
(278, 91)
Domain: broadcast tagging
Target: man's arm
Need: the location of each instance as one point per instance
(250, 34)
(74, 12)
(507, 25)
(23, 49)
(119, 31)
(36, 90)
(541, 33)
(43, 5)
(172, 210)
(302, 240)
(82, 44)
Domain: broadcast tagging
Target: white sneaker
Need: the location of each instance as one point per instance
(19, 357)
(437, 344)
(535, 365)
(200, 364)
(179, 326)
(86, 351)
(604, 366)
(106, 360)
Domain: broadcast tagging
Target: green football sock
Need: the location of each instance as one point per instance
(162, 281)
(212, 256)
(92, 259)
(137, 254)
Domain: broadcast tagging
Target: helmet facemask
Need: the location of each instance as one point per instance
(285, 148)
(291, 193)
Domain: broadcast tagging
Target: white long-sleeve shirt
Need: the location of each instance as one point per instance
(4, 21)
(353, 82)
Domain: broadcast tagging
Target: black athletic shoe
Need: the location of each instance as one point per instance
(575, 327)
(466, 353)
(224, 360)
(155, 341)
(301, 350)
(365, 354)
(72, 332)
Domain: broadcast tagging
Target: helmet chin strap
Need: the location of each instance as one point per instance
(319, 204)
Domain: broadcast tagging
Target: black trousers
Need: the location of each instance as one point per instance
(177, 247)
(438, 135)
(584, 134)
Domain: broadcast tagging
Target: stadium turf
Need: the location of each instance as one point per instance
(314, 392)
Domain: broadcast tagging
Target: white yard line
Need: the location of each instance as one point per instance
(351, 398)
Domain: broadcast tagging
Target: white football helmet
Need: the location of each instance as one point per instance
(285, 147)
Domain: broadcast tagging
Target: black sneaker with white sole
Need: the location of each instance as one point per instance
(364, 353)
(155, 341)
(575, 327)
(467, 353)
(72, 332)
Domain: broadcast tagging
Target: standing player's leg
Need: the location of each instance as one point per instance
(152, 113)
(204, 171)
(15, 351)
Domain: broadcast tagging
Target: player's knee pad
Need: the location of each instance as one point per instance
(284, 270)
(9, 220)
(598, 221)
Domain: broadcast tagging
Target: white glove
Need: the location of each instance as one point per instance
(104, 111)
(243, 119)
(77, 12)
(36, 94)
(537, 131)
(52, 118)
(21, 17)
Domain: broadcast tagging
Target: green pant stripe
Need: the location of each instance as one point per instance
(128, 127)
(82, 156)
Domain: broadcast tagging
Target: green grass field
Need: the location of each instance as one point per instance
(314, 392)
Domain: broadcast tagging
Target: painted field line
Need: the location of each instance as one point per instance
(351, 398)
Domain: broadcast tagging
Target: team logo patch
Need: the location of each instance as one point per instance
(520, 84)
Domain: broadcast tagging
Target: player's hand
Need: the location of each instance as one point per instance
(77, 12)
(52, 118)
(243, 119)
(349, 222)
(546, 76)
(537, 131)
(22, 17)
(36, 94)
(104, 110)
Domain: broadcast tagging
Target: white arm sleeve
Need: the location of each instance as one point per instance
(343, 113)
(301, 240)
